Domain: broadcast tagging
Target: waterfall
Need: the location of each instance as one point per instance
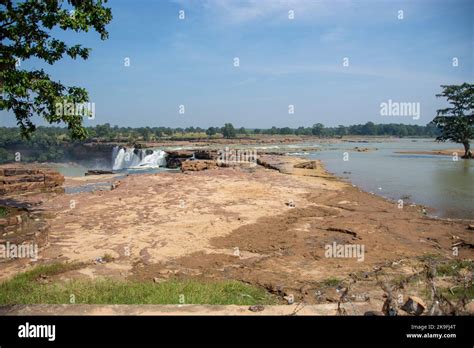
(123, 158)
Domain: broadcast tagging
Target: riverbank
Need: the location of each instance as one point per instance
(454, 152)
(272, 226)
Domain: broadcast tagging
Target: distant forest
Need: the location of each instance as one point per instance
(49, 140)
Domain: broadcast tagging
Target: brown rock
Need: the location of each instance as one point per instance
(28, 179)
(256, 308)
(19, 170)
(115, 185)
(307, 165)
(180, 154)
(470, 307)
(22, 178)
(198, 165)
(98, 172)
(414, 305)
(175, 158)
(206, 154)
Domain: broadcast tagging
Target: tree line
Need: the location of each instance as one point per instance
(108, 133)
(49, 143)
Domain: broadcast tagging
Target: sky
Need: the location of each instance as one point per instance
(335, 61)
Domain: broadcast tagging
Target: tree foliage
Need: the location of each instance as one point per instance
(53, 143)
(318, 129)
(25, 32)
(211, 131)
(228, 131)
(456, 122)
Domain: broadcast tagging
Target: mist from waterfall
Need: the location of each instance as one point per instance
(124, 158)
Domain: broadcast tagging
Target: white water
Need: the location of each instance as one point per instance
(123, 158)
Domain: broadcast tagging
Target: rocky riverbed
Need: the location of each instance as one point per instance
(279, 225)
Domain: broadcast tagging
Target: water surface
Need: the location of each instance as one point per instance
(432, 180)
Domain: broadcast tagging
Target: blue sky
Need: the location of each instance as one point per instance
(190, 62)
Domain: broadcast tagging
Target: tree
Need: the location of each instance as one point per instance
(318, 129)
(242, 131)
(228, 131)
(286, 131)
(103, 131)
(369, 128)
(456, 123)
(211, 131)
(25, 32)
(341, 130)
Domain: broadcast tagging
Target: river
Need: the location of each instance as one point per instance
(432, 180)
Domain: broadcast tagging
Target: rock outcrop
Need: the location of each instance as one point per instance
(206, 154)
(20, 179)
(176, 158)
(197, 165)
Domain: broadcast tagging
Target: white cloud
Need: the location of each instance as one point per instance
(238, 11)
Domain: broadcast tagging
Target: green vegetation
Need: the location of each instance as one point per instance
(25, 33)
(51, 144)
(460, 272)
(26, 288)
(107, 258)
(3, 212)
(330, 282)
(457, 273)
(459, 292)
(229, 131)
(431, 257)
(456, 123)
(452, 268)
(211, 131)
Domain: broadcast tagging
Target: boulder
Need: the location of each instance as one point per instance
(174, 163)
(175, 158)
(414, 305)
